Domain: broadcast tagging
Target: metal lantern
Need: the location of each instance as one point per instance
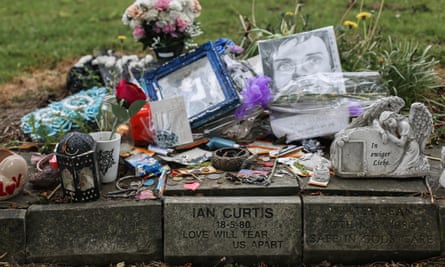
(77, 163)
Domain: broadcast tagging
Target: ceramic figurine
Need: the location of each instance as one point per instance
(383, 143)
(13, 174)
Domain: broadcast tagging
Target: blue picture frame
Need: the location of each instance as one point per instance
(201, 77)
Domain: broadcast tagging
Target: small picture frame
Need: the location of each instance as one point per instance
(199, 76)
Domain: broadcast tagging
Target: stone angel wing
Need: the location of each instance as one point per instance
(421, 122)
(390, 103)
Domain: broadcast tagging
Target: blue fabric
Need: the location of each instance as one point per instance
(62, 116)
(221, 44)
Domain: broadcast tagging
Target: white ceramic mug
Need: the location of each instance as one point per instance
(107, 153)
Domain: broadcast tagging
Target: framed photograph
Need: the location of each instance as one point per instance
(201, 78)
(300, 59)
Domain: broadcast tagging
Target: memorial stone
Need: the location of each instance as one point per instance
(441, 205)
(204, 230)
(383, 143)
(282, 184)
(13, 237)
(353, 230)
(98, 233)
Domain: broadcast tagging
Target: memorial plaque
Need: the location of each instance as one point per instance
(441, 205)
(353, 230)
(365, 154)
(204, 230)
(95, 233)
(383, 143)
(12, 235)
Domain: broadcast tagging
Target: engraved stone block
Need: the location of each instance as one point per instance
(204, 230)
(441, 205)
(12, 235)
(98, 233)
(352, 230)
(383, 143)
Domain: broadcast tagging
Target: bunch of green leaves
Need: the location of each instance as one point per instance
(290, 22)
(122, 114)
(358, 39)
(408, 70)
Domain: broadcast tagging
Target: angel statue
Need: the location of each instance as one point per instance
(383, 143)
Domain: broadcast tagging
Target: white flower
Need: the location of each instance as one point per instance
(83, 60)
(175, 5)
(151, 14)
(107, 61)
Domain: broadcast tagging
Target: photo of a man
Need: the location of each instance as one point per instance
(287, 59)
(306, 75)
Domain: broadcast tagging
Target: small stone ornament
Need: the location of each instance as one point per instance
(13, 174)
(383, 143)
(78, 167)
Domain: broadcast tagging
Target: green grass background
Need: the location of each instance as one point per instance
(41, 33)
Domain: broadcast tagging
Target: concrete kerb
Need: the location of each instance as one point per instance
(338, 223)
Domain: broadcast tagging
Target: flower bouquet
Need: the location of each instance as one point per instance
(163, 23)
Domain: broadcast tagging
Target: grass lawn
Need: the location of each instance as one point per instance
(38, 34)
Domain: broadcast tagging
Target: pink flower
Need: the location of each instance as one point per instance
(138, 32)
(134, 11)
(162, 4)
(197, 6)
(168, 28)
(181, 24)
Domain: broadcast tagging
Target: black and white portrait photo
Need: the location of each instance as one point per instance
(306, 79)
(300, 57)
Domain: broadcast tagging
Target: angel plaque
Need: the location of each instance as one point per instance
(383, 143)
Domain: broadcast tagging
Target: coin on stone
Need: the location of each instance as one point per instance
(214, 176)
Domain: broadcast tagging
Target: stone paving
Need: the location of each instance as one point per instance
(350, 221)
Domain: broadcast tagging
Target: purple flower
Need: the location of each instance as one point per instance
(235, 49)
(355, 109)
(256, 93)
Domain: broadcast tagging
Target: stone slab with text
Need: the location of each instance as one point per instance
(241, 229)
(12, 235)
(365, 229)
(95, 233)
(383, 143)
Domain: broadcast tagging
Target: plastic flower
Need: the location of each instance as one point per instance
(363, 15)
(235, 49)
(256, 93)
(350, 24)
(355, 109)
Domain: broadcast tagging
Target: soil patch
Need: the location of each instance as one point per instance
(27, 93)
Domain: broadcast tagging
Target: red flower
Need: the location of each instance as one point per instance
(129, 91)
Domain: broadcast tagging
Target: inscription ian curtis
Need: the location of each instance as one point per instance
(237, 227)
(236, 213)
